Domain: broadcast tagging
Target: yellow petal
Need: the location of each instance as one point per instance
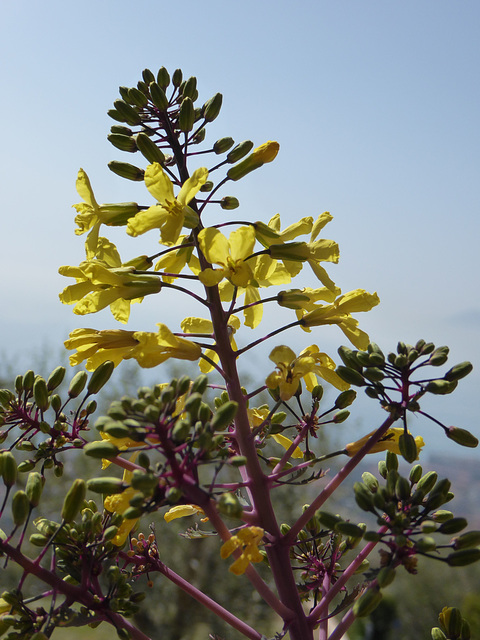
(286, 443)
(158, 183)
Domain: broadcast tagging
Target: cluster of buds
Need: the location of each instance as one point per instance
(452, 626)
(398, 382)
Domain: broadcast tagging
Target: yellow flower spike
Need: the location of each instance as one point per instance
(247, 539)
(182, 511)
(202, 326)
(171, 213)
(148, 348)
(388, 442)
(307, 366)
(229, 254)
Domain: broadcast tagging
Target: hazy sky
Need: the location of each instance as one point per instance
(375, 106)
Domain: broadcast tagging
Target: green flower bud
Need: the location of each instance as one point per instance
(132, 513)
(126, 170)
(345, 399)
(163, 78)
(189, 88)
(192, 404)
(386, 576)
(237, 461)
(224, 415)
(428, 526)
(181, 430)
(349, 359)
(117, 128)
(349, 375)
(415, 473)
(159, 98)
(367, 603)
(453, 525)
(55, 378)
(451, 620)
(108, 485)
(186, 117)
(128, 113)
(229, 202)
(239, 151)
(370, 481)
(437, 634)
(223, 144)
(199, 384)
(363, 497)
(74, 500)
(400, 361)
(463, 557)
(427, 482)
(124, 143)
(424, 544)
(38, 539)
(442, 515)
(441, 387)
(177, 77)
(229, 505)
(20, 508)
(101, 449)
(328, 520)
(374, 374)
(40, 394)
(462, 437)
(341, 416)
(439, 357)
(408, 447)
(77, 384)
(148, 76)
(34, 487)
(459, 371)
(26, 465)
(28, 380)
(149, 149)
(9, 468)
(212, 107)
(349, 529)
(467, 540)
(110, 533)
(100, 376)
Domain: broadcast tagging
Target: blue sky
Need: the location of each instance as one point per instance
(375, 106)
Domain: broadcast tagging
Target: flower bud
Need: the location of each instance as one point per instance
(349, 529)
(467, 540)
(367, 602)
(341, 416)
(328, 520)
(427, 482)
(149, 149)
(128, 113)
(177, 77)
(148, 76)
(40, 394)
(462, 437)
(117, 128)
(370, 481)
(181, 430)
(224, 415)
(453, 525)
(186, 117)
(55, 379)
(463, 557)
(223, 145)
(459, 371)
(266, 152)
(239, 151)
(229, 202)
(386, 576)
(363, 497)
(441, 387)
(349, 375)
(108, 485)
(291, 298)
(229, 505)
(100, 376)
(189, 88)
(34, 487)
(77, 384)
(126, 170)
(345, 399)
(20, 508)
(101, 449)
(137, 97)
(415, 473)
(163, 78)
(124, 143)
(9, 468)
(158, 96)
(408, 447)
(28, 380)
(439, 357)
(74, 500)
(437, 634)
(212, 107)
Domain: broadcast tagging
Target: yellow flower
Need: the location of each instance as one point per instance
(182, 511)
(247, 539)
(266, 152)
(91, 215)
(119, 503)
(257, 416)
(147, 348)
(339, 313)
(388, 442)
(175, 260)
(105, 281)
(202, 326)
(291, 369)
(229, 254)
(170, 213)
